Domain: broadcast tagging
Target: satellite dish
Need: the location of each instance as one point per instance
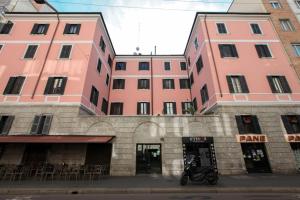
(137, 48)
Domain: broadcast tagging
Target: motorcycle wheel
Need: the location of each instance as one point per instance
(212, 178)
(184, 180)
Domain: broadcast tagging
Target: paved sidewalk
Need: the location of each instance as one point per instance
(155, 184)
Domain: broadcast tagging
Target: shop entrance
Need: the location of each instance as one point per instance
(200, 147)
(296, 149)
(35, 154)
(148, 159)
(256, 158)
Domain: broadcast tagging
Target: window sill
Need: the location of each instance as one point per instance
(53, 95)
(12, 94)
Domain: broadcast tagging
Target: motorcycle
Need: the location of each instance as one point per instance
(198, 174)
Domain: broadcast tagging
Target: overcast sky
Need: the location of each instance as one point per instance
(146, 23)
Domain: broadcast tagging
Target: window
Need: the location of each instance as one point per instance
(102, 44)
(143, 84)
(183, 66)
(279, 84)
(199, 64)
(167, 66)
(99, 64)
(186, 107)
(237, 84)
(107, 79)
(247, 124)
(263, 51)
(104, 107)
(170, 108)
(286, 25)
(109, 61)
(221, 28)
(65, 51)
(195, 104)
(5, 123)
(297, 2)
(40, 29)
(168, 84)
(94, 96)
(189, 61)
(291, 123)
(118, 83)
(14, 85)
(275, 4)
(116, 108)
(120, 65)
(143, 65)
(143, 108)
(56, 85)
(255, 29)
(6, 28)
(196, 43)
(204, 94)
(192, 79)
(72, 29)
(1, 46)
(228, 50)
(296, 49)
(41, 124)
(184, 83)
(30, 52)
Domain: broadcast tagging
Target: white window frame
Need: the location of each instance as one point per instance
(169, 107)
(287, 23)
(70, 56)
(258, 26)
(27, 46)
(276, 2)
(296, 50)
(297, 2)
(143, 108)
(227, 32)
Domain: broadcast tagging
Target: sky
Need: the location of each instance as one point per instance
(165, 24)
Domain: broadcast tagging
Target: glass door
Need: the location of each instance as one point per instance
(148, 159)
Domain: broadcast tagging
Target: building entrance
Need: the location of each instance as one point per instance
(148, 159)
(256, 158)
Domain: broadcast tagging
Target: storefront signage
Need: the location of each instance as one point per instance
(252, 138)
(197, 140)
(292, 137)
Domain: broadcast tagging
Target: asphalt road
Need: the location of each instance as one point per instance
(202, 196)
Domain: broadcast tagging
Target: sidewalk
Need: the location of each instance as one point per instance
(157, 184)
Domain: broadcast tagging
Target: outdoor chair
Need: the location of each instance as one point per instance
(73, 171)
(48, 172)
(88, 172)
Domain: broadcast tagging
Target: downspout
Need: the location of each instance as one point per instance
(213, 57)
(48, 51)
(152, 104)
(188, 74)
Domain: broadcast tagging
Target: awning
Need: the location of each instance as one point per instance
(54, 139)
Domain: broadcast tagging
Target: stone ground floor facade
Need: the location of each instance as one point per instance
(130, 134)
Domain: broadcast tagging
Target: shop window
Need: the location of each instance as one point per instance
(94, 96)
(263, 51)
(204, 94)
(255, 29)
(102, 44)
(279, 84)
(72, 29)
(40, 29)
(170, 108)
(120, 66)
(221, 28)
(183, 66)
(248, 124)
(143, 108)
(237, 84)
(168, 84)
(5, 123)
(118, 83)
(65, 51)
(228, 51)
(56, 85)
(143, 83)
(186, 107)
(291, 123)
(6, 28)
(184, 83)
(104, 107)
(14, 85)
(199, 64)
(143, 65)
(30, 52)
(116, 108)
(41, 124)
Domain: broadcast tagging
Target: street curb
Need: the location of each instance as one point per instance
(31, 191)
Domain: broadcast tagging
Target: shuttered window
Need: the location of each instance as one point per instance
(104, 107)
(204, 94)
(279, 84)
(116, 108)
(143, 83)
(120, 66)
(118, 83)
(228, 50)
(199, 64)
(94, 96)
(237, 84)
(143, 108)
(41, 124)
(184, 83)
(65, 51)
(99, 64)
(168, 84)
(291, 123)
(5, 123)
(30, 52)
(248, 124)
(221, 28)
(40, 29)
(263, 51)
(6, 28)
(72, 29)
(170, 108)
(14, 85)
(186, 107)
(56, 85)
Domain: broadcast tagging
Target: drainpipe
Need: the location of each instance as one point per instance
(213, 57)
(49, 48)
(151, 65)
